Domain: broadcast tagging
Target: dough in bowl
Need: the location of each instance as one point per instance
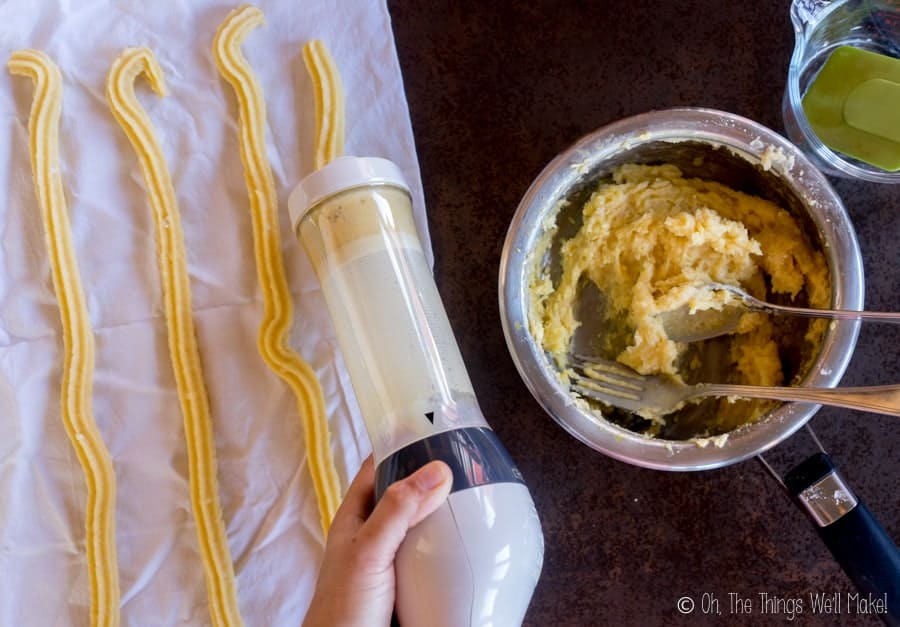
(649, 240)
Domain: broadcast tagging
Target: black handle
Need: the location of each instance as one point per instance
(870, 558)
(853, 535)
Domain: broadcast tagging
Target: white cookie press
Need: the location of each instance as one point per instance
(476, 560)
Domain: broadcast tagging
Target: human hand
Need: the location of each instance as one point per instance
(357, 585)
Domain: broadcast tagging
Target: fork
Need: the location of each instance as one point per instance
(618, 385)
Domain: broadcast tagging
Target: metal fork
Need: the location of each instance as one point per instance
(618, 385)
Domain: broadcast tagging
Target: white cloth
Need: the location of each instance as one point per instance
(266, 491)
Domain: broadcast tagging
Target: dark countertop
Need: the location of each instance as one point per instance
(496, 90)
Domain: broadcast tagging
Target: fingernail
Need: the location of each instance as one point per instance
(430, 476)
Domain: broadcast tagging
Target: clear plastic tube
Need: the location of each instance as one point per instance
(403, 360)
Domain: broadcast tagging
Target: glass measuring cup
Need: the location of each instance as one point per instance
(822, 26)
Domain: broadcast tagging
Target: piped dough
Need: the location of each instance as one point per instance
(278, 308)
(78, 337)
(214, 551)
(329, 95)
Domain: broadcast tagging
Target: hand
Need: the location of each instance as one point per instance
(357, 586)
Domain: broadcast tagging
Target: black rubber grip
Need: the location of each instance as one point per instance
(474, 454)
(869, 557)
(859, 543)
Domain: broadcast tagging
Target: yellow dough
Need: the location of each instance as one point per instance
(183, 349)
(329, 94)
(78, 337)
(649, 240)
(278, 308)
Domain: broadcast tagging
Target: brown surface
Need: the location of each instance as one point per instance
(497, 89)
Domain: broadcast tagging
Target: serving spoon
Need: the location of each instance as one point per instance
(683, 326)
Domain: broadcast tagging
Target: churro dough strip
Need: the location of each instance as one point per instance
(217, 565)
(278, 309)
(329, 95)
(78, 337)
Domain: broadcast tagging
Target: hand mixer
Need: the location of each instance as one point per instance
(476, 560)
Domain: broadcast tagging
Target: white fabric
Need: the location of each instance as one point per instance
(266, 490)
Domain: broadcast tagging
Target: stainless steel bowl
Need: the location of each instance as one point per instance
(737, 152)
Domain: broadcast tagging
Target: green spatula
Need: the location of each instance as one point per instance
(853, 105)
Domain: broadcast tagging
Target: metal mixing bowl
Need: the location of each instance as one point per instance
(707, 144)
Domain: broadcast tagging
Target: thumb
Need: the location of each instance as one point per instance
(402, 506)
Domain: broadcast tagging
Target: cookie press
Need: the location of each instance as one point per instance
(475, 560)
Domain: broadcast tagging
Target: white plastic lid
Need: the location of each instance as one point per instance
(340, 175)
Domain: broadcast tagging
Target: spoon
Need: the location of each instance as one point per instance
(683, 326)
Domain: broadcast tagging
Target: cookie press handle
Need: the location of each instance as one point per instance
(851, 532)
